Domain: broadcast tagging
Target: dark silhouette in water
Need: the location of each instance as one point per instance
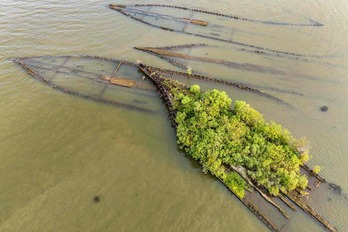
(324, 108)
(96, 199)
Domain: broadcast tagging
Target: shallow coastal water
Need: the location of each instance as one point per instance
(58, 152)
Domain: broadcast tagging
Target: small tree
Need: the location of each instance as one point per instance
(316, 169)
(189, 70)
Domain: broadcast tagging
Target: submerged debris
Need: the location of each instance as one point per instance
(143, 13)
(96, 199)
(324, 108)
(239, 85)
(336, 188)
(169, 55)
(89, 77)
(138, 9)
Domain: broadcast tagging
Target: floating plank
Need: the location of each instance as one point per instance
(196, 22)
(119, 81)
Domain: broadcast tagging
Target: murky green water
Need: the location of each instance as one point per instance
(57, 152)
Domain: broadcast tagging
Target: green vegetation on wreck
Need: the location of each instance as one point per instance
(236, 144)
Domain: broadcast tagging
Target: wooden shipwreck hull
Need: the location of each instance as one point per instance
(94, 78)
(153, 8)
(191, 21)
(272, 211)
(202, 58)
(176, 56)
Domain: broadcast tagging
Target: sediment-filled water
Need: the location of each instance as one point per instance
(59, 153)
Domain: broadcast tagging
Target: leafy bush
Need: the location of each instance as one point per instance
(236, 183)
(220, 137)
(316, 169)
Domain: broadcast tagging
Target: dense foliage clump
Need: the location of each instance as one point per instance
(224, 139)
